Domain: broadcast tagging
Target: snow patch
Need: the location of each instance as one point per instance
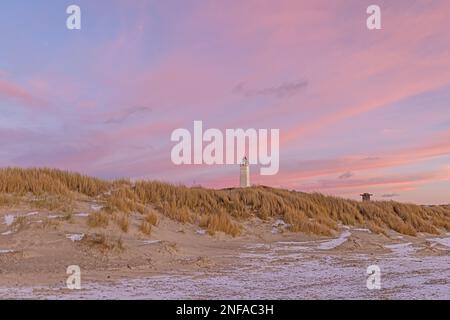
(6, 251)
(54, 216)
(96, 207)
(9, 219)
(75, 236)
(400, 248)
(443, 241)
(279, 223)
(82, 214)
(151, 241)
(331, 244)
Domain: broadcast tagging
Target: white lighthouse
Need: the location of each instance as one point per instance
(245, 173)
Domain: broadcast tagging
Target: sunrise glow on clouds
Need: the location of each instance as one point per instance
(358, 110)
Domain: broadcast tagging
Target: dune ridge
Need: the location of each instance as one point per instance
(215, 210)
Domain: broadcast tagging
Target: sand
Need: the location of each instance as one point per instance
(183, 261)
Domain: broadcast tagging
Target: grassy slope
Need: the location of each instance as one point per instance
(215, 210)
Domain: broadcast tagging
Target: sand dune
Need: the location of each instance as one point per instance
(124, 245)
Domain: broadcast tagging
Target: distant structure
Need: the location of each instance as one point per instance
(245, 173)
(366, 196)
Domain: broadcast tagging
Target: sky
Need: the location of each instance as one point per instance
(358, 110)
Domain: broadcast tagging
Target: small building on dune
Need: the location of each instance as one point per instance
(366, 196)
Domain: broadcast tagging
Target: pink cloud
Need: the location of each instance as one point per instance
(9, 90)
(293, 175)
(189, 71)
(389, 159)
(26, 95)
(396, 181)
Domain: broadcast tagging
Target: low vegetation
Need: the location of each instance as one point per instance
(216, 210)
(20, 223)
(219, 222)
(145, 227)
(98, 219)
(103, 243)
(123, 221)
(151, 217)
(50, 224)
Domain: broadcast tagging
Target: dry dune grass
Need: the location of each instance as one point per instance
(50, 224)
(222, 210)
(145, 227)
(9, 200)
(103, 243)
(98, 219)
(20, 223)
(123, 221)
(42, 181)
(150, 220)
(151, 217)
(219, 222)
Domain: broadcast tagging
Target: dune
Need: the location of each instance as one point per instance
(119, 229)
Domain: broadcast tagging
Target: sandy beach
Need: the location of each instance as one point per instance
(182, 261)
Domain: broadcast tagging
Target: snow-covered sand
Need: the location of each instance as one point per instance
(282, 270)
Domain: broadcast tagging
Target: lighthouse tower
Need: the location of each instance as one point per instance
(245, 173)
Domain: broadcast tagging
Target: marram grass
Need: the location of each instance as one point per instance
(218, 210)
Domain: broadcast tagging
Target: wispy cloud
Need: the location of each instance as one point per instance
(346, 175)
(390, 195)
(315, 87)
(386, 180)
(284, 90)
(122, 115)
(12, 91)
